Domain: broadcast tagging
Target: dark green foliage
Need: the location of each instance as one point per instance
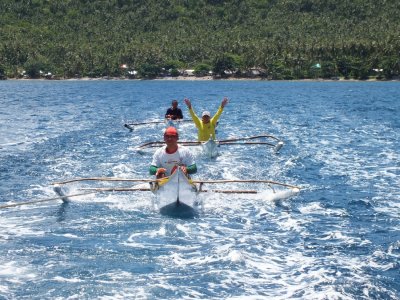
(202, 69)
(35, 68)
(223, 64)
(175, 72)
(149, 71)
(348, 38)
(2, 73)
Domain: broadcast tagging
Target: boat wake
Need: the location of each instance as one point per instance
(278, 195)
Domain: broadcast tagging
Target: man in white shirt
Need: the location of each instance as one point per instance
(167, 158)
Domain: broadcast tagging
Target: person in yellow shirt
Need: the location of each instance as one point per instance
(206, 125)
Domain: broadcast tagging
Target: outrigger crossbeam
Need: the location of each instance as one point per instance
(234, 141)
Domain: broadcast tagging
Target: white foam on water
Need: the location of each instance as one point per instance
(289, 223)
(235, 256)
(70, 236)
(13, 273)
(120, 170)
(157, 238)
(316, 208)
(13, 227)
(138, 293)
(279, 194)
(128, 201)
(67, 280)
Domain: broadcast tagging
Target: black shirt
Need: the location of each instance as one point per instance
(175, 113)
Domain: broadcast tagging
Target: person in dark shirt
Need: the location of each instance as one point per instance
(174, 112)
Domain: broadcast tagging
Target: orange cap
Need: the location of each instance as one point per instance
(171, 131)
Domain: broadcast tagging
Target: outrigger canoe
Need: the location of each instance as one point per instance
(176, 195)
(211, 147)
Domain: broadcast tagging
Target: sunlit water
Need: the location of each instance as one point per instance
(339, 238)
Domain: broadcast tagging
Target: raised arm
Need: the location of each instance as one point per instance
(195, 118)
(215, 118)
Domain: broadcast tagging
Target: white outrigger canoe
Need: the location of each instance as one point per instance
(176, 195)
(210, 148)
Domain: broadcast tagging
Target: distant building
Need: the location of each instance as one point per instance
(256, 72)
(188, 72)
(132, 74)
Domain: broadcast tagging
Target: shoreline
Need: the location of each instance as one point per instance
(205, 78)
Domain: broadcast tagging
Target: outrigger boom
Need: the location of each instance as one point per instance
(131, 126)
(88, 191)
(116, 179)
(234, 141)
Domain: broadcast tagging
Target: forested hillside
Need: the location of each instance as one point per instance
(283, 39)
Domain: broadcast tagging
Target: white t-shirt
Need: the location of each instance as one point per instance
(162, 159)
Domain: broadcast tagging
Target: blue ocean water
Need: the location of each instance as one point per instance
(339, 238)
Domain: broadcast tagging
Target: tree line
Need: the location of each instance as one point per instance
(275, 39)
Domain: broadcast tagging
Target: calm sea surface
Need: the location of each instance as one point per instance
(339, 238)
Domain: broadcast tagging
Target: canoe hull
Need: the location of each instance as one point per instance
(176, 196)
(210, 148)
(179, 210)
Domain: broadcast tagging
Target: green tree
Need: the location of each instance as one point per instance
(80, 38)
(202, 69)
(35, 68)
(226, 63)
(2, 72)
(149, 71)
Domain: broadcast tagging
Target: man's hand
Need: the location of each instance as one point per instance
(187, 102)
(160, 172)
(184, 170)
(224, 102)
